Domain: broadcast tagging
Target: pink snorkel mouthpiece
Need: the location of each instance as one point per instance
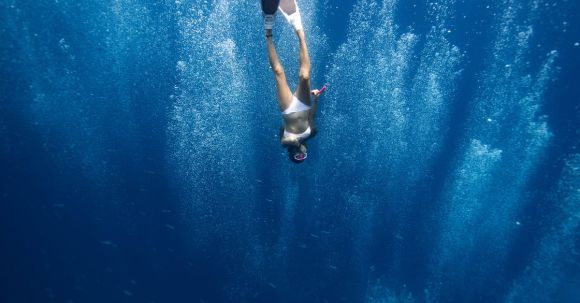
(322, 89)
(300, 157)
(318, 92)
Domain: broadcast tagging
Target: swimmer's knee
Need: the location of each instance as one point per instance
(278, 70)
(304, 74)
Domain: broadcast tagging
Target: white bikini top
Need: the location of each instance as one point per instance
(305, 134)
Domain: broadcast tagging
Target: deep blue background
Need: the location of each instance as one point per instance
(139, 158)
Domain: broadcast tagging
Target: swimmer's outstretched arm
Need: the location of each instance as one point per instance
(312, 117)
(315, 95)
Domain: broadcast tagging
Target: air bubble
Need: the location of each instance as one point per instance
(181, 65)
(63, 45)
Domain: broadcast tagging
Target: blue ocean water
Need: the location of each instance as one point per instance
(140, 160)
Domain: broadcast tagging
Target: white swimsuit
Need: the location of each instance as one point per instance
(300, 136)
(296, 106)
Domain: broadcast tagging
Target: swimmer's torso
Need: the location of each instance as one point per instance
(297, 122)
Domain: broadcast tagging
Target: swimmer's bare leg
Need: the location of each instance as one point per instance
(303, 90)
(283, 91)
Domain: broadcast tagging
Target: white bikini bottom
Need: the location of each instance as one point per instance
(295, 106)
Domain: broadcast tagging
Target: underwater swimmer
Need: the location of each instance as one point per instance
(298, 108)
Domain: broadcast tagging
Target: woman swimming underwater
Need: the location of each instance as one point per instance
(298, 109)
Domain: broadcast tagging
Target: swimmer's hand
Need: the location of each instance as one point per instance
(318, 92)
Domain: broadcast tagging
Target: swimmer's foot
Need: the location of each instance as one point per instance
(269, 7)
(269, 21)
(292, 15)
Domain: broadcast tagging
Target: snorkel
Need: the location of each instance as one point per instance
(301, 156)
(297, 154)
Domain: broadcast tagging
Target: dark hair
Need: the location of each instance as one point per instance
(292, 150)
